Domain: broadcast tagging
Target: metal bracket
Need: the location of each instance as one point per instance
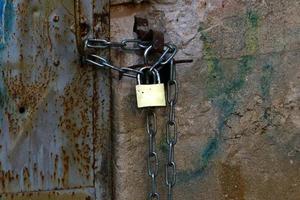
(144, 33)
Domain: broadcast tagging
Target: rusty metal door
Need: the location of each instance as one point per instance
(54, 113)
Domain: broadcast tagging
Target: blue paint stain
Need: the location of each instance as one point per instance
(2, 11)
(221, 90)
(226, 106)
(265, 81)
(7, 18)
(209, 151)
(265, 86)
(206, 155)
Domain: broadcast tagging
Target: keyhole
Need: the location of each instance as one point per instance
(22, 110)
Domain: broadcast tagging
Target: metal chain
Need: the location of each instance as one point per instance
(152, 161)
(168, 54)
(171, 130)
(127, 45)
(166, 57)
(102, 62)
(171, 140)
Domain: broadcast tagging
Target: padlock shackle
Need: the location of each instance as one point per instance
(155, 73)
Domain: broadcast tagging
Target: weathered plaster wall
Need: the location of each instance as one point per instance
(238, 111)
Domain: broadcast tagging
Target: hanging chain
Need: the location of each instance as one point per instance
(171, 130)
(166, 58)
(171, 140)
(152, 160)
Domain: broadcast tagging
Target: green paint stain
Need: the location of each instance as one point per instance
(253, 18)
(208, 52)
(215, 77)
(163, 146)
(251, 39)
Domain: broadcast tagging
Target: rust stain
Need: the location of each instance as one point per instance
(26, 81)
(7, 177)
(232, 182)
(26, 178)
(26, 93)
(42, 177)
(75, 124)
(53, 195)
(66, 168)
(26, 98)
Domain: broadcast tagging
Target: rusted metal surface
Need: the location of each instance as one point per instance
(76, 194)
(143, 31)
(102, 107)
(47, 99)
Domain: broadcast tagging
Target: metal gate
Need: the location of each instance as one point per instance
(53, 142)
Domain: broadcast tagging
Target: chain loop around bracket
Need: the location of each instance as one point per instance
(165, 58)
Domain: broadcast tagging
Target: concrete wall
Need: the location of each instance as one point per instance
(239, 102)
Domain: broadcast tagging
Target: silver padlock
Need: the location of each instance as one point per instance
(150, 95)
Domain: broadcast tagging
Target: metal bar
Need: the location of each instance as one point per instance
(102, 111)
(183, 61)
(77, 15)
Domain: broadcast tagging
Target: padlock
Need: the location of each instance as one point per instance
(150, 95)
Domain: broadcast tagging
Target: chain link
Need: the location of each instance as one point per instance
(166, 56)
(171, 140)
(171, 130)
(127, 45)
(152, 161)
(102, 62)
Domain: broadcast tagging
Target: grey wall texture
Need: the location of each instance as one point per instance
(238, 112)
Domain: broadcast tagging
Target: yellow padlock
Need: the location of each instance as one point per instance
(150, 95)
